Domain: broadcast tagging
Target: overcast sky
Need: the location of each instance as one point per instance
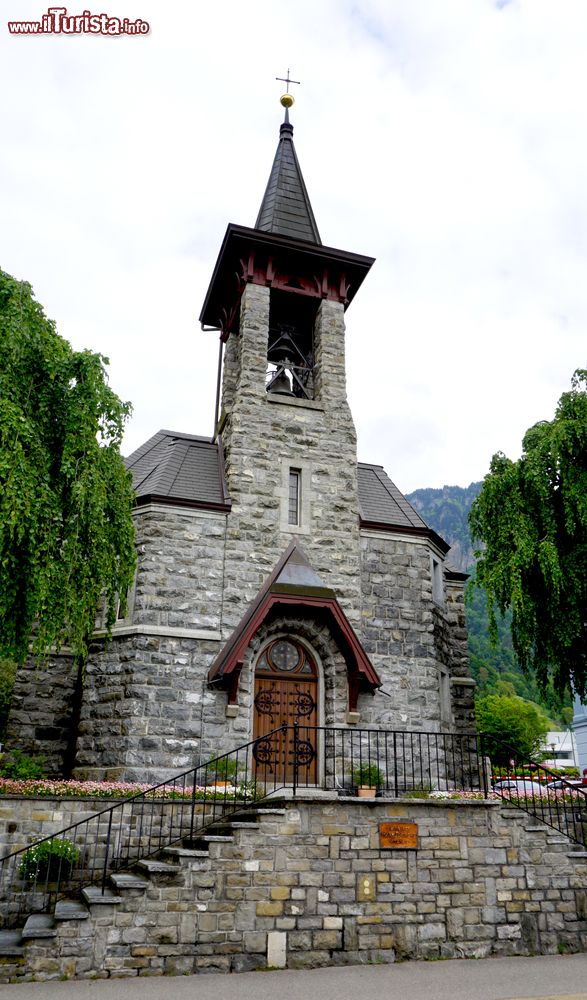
(446, 138)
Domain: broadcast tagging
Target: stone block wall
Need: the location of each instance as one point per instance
(44, 710)
(148, 712)
(450, 630)
(179, 581)
(309, 885)
(397, 631)
(264, 435)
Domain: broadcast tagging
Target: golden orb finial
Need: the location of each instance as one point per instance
(286, 100)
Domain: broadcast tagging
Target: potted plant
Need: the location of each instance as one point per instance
(223, 772)
(50, 861)
(368, 778)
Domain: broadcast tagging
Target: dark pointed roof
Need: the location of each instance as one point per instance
(286, 207)
(179, 469)
(382, 506)
(294, 586)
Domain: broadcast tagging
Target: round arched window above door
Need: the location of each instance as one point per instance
(285, 656)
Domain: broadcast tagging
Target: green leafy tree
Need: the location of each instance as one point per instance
(511, 726)
(531, 517)
(7, 678)
(66, 532)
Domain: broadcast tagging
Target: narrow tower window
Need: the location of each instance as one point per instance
(437, 582)
(295, 483)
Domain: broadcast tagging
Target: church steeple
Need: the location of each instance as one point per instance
(286, 207)
(283, 253)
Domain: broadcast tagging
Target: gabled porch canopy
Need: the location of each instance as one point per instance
(292, 587)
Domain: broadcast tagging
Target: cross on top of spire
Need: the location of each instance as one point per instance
(286, 209)
(286, 79)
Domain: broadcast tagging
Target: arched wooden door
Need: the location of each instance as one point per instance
(286, 692)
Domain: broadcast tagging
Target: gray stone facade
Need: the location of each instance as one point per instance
(147, 709)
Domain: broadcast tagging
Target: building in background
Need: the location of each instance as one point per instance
(561, 749)
(580, 731)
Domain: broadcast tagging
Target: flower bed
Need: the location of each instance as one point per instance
(48, 788)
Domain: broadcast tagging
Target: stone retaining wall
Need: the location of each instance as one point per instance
(310, 885)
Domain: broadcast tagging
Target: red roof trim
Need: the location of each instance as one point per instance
(358, 663)
(167, 501)
(405, 529)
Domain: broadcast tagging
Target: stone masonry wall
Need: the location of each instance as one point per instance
(308, 885)
(264, 436)
(451, 634)
(180, 570)
(148, 712)
(147, 709)
(397, 631)
(43, 711)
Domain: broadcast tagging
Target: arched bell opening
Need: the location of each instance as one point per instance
(290, 351)
(286, 693)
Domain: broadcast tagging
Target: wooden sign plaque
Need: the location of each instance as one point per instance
(398, 836)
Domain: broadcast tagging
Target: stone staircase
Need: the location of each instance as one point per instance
(157, 918)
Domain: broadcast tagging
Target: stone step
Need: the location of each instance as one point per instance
(269, 811)
(185, 852)
(124, 880)
(577, 855)
(39, 925)
(536, 829)
(70, 909)
(153, 867)
(245, 826)
(11, 943)
(94, 896)
(202, 843)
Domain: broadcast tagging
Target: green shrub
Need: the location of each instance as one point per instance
(418, 792)
(367, 775)
(51, 860)
(20, 767)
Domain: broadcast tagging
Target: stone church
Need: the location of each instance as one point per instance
(278, 579)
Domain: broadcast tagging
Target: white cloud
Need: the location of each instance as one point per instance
(448, 140)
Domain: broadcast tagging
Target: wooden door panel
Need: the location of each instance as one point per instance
(282, 701)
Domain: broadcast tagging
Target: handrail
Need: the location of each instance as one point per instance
(562, 807)
(168, 813)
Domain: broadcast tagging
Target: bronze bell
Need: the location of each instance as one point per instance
(284, 349)
(281, 384)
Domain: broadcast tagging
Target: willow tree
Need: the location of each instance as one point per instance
(531, 518)
(66, 532)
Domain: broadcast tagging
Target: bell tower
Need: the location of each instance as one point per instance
(278, 298)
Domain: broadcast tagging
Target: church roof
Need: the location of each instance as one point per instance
(188, 471)
(381, 505)
(180, 469)
(286, 208)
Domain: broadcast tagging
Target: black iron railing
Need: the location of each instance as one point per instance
(174, 812)
(393, 763)
(538, 791)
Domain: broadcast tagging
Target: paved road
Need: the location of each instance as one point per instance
(561, 977)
